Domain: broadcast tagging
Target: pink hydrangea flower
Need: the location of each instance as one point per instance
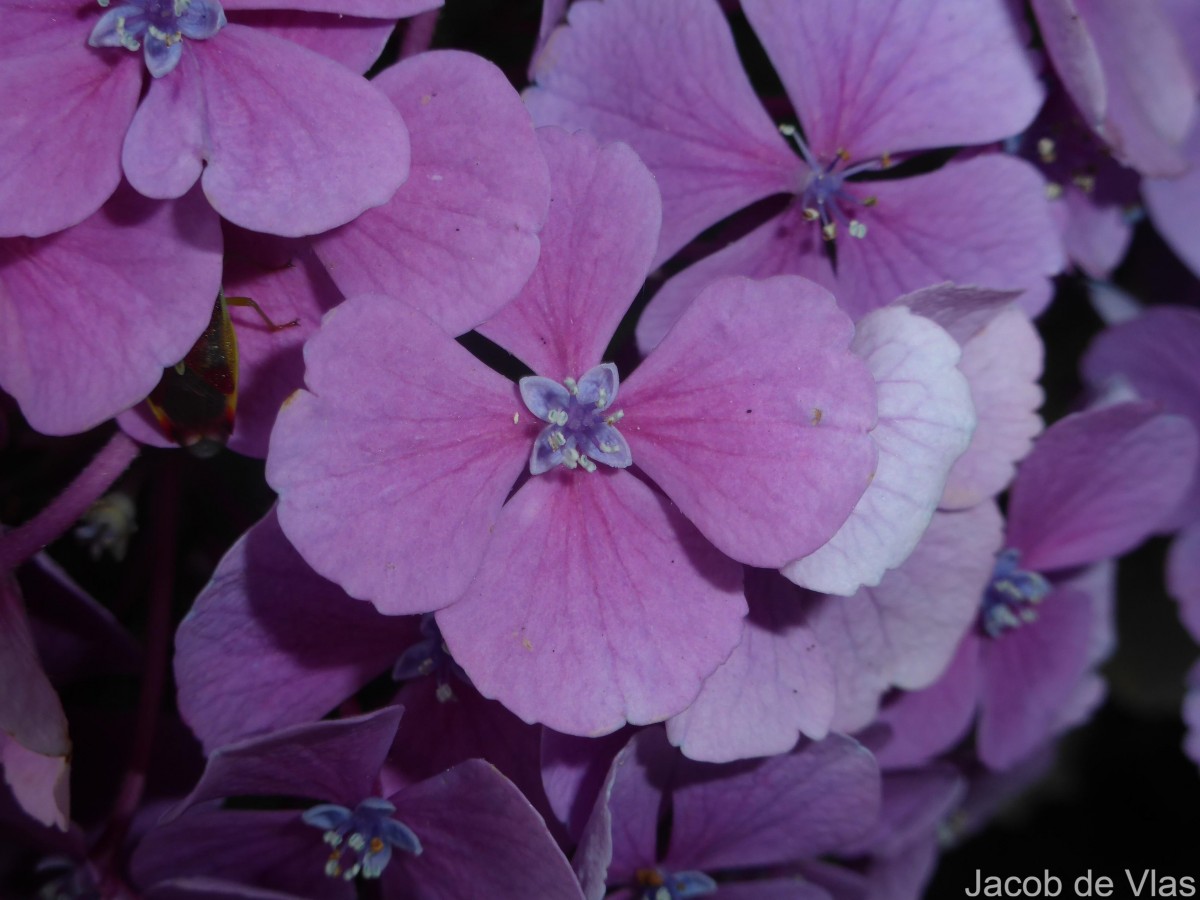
(310, 146)
(587, 598)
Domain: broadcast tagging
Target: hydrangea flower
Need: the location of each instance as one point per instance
(1096, 484)
(738, 830)
(444, 837)
(678, 94)
(310, 147)
(269, 643)
(1151, 354)
(587, 599)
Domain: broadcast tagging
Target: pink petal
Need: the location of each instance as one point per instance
(925, 423)
(784, 245)
(63, 115)
(780, 810)
(304, 168)
(574, 771)
(666, 77)
(407, 437)
(245, 846)
(353, 41)
(34, 746)
(335, 760)
(1097, 230)
(270, 363)
(775, 686)
(983, 221)
(928, 722)
(41, 784)
(596, 604)
(1097, 484)
(1002, 363)
(904, 632)
(269, 643)
(93, 314)
(466, 220)
(372, 9)
(597, 246)
(1073, 51)
(1028, 674)
(1148, 84)
(1153, 354)
(476, 830)
(1173, 204)
(765, 366)
(869, 77)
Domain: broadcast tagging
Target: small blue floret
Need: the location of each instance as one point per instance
(581, 431)
(157, 27)
(362, 841)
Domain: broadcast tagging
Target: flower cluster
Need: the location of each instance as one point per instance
(637, 485)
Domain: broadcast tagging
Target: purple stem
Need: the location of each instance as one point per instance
(20, 544)
(418, 35)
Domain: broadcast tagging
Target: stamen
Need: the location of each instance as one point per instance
(362, 840)
(826, 196)
(1046, 150)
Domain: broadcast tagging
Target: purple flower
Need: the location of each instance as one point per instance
(1096, 484)
(446, 836)
(561, 602)
(269, 643)
(678, 94)
(309, 147)
(743, 826)
(157, 28)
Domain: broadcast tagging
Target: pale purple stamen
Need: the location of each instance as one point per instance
(1011, 598)
(157, 27)
(581, 432)
(362, 841)
(825, 196)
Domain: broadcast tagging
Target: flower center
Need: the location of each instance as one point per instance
(430, 656)
(157, 27)
(826, 197)
(362, 841)
(1012, 597)
(656, 884)
(580, 432)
